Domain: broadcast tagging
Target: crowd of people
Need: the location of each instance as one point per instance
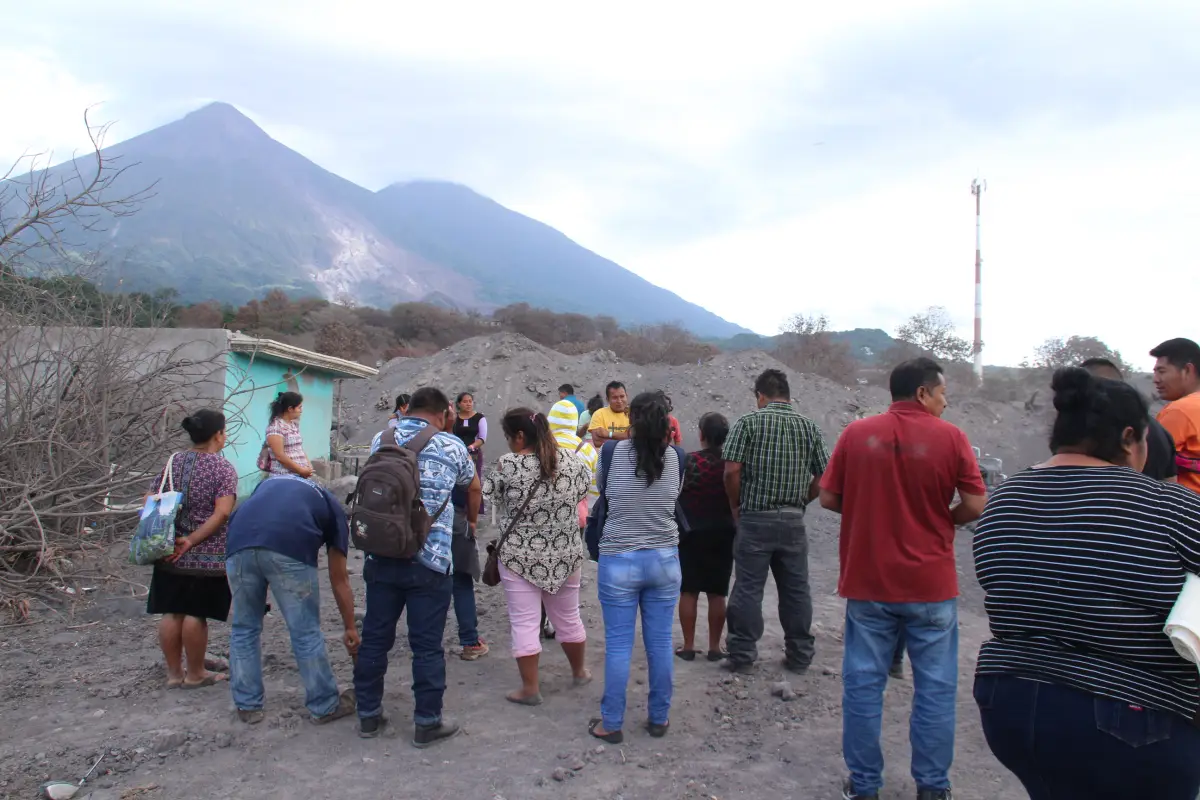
(1081, 558)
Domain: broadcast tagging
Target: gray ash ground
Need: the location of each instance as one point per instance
(91, 681)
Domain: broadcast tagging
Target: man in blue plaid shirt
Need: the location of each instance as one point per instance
(774, 459)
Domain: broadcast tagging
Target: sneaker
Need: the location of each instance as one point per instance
(934, 794)
(848, 792)
(474, 652)
(251, 716)
(371, 727)
(429, 735)
(345, 708)
(795, 667)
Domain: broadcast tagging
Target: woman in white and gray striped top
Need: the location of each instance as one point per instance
(1082, 557)
(639, 564)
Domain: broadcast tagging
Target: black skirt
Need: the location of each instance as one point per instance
(706, 560)
(191, 595)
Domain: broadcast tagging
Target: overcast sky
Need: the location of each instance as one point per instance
(763, 160)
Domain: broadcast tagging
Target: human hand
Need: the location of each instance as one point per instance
(351, 640)
(181, 547)
(305, 472)
(472, 529)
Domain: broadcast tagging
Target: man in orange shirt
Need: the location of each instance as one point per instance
(1177, 379)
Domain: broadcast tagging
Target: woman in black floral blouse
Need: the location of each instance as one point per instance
(541, 559)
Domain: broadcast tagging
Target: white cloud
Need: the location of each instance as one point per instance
(43, 107)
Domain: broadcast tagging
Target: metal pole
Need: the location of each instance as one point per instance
(977, 189)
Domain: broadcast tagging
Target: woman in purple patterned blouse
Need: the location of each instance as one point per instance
(189, 587)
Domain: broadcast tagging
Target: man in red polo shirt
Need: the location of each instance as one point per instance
(893, 478)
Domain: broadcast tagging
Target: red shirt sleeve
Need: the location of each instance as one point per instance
(970, 480)
(834, 477)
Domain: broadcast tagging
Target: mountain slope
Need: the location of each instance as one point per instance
(235, 213)
(518, 259)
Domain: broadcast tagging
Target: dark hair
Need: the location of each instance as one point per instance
(536, 429)
(1093, 413)
(1094, 364)
(773, 385)
(595, 404)
(649, 428)
(568, 388)
(1179, 353)
(611, 386)
(402, 400)
(284, 402)
(714, 428)
(910, 376)
(667, 399)
(461, 395)
(203, 425)
(428, 399)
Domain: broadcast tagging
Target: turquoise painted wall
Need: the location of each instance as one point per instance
(250, 386)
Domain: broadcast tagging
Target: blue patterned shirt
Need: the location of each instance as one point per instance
(444, 464)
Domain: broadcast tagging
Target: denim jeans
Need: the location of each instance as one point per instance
(930, 632)
(464, 609)
(297, 593)
(392, 585)
(770, 542)
(648, 579)
(1067, 744)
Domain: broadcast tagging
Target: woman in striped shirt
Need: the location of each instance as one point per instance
(286, 456)
(639, 564)
(1080, 693)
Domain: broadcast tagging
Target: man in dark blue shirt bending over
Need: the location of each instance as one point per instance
(274, 539)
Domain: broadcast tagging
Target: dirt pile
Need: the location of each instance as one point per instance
(507, 370)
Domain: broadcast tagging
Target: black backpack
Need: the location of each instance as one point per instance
(387, 517)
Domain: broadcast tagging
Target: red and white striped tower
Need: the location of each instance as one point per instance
(977, 189)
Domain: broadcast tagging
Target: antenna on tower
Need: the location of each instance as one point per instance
(978, 187)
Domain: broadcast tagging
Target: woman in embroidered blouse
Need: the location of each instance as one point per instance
(541, 559)
(283, 437)
(189, 587)
(472, 428)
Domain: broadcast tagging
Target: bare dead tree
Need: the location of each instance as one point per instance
(43, 209)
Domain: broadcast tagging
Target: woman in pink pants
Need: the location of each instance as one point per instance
(540, 561)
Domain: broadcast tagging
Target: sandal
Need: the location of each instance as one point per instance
(686, 655)
(717, 655)
(212, 679)
(612, 737)
(175, 684)
(524, 700)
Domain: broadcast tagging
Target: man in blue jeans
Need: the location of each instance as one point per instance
(423, 585)
(893, 478)
(274, 541)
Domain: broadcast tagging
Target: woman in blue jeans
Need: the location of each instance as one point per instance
(639, 565)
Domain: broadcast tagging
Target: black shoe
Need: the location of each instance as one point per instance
(737, 667)
(934, 794)
(656, 730)
(795, 667)
(897, 671)
(429, 735)
(371, 727)
(849, 794)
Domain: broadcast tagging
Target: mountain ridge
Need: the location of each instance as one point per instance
(235, 213)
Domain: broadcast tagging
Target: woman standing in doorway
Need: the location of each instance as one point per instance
(286, 448)
(472, 429)
(189, 587)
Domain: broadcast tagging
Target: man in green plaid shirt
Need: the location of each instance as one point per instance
(774, 459)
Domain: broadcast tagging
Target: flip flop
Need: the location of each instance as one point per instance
(175, 684)
(686, 655)
(612, 737)
(717, 655)
(211, 680)
(582, 680)
(532, 700)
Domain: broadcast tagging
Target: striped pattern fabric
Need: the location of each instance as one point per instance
(564, 422)
(640, 517)
(1081, 566)
(780, 452)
